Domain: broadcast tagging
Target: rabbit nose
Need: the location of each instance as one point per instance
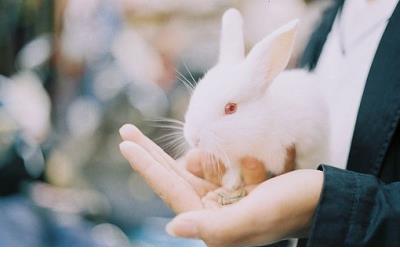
(192, 136)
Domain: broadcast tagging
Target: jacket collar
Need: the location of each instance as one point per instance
(379, 110)
(317, 40)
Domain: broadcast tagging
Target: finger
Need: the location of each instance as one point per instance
(205, 166)
(210, 203)
(277, 209)
(129, 132)
(216, 227)
(213, 168)
(211, 200)
(232, 225)
(253, 171)
(193, 162)
(176, 192)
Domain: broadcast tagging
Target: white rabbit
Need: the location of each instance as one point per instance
(246, 106)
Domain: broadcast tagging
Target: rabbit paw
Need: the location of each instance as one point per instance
(232, 180)
(227, 198)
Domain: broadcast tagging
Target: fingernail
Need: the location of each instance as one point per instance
(170, 230)
(124, 128)
(128, 128)
(182, 228)
(124, 148)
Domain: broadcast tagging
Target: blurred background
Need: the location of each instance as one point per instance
(71, 73)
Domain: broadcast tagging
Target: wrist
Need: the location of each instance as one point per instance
(312, 196)
(306, 186)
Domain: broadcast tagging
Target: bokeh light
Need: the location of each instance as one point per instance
(71, 73)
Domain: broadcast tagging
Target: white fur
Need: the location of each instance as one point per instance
(231, 43)
(276, 109)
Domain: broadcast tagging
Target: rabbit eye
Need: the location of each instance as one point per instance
(230, 108)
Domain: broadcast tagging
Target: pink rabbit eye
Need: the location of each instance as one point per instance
(230, 108)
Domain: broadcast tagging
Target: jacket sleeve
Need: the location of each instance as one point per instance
(356, 210)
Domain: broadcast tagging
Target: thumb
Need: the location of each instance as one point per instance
(216, 227)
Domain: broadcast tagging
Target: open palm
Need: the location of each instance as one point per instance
(180, 189)
(278, 208)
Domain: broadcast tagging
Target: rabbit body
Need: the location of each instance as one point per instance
(249, 106)
(292, 114)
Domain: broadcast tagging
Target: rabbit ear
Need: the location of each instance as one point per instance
(271, 55)
(231, 44)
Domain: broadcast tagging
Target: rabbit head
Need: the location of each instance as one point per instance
(223, 109)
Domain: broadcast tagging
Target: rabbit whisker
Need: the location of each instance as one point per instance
(165, 126)
(184, 79)
(190, 74)
(166, 120)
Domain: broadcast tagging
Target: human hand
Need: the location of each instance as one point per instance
(180, 189)
(279, 208)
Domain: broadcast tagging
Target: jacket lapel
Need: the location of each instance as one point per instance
(379, 110)
(317, 40)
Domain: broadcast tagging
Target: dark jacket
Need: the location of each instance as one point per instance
(360, 206)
